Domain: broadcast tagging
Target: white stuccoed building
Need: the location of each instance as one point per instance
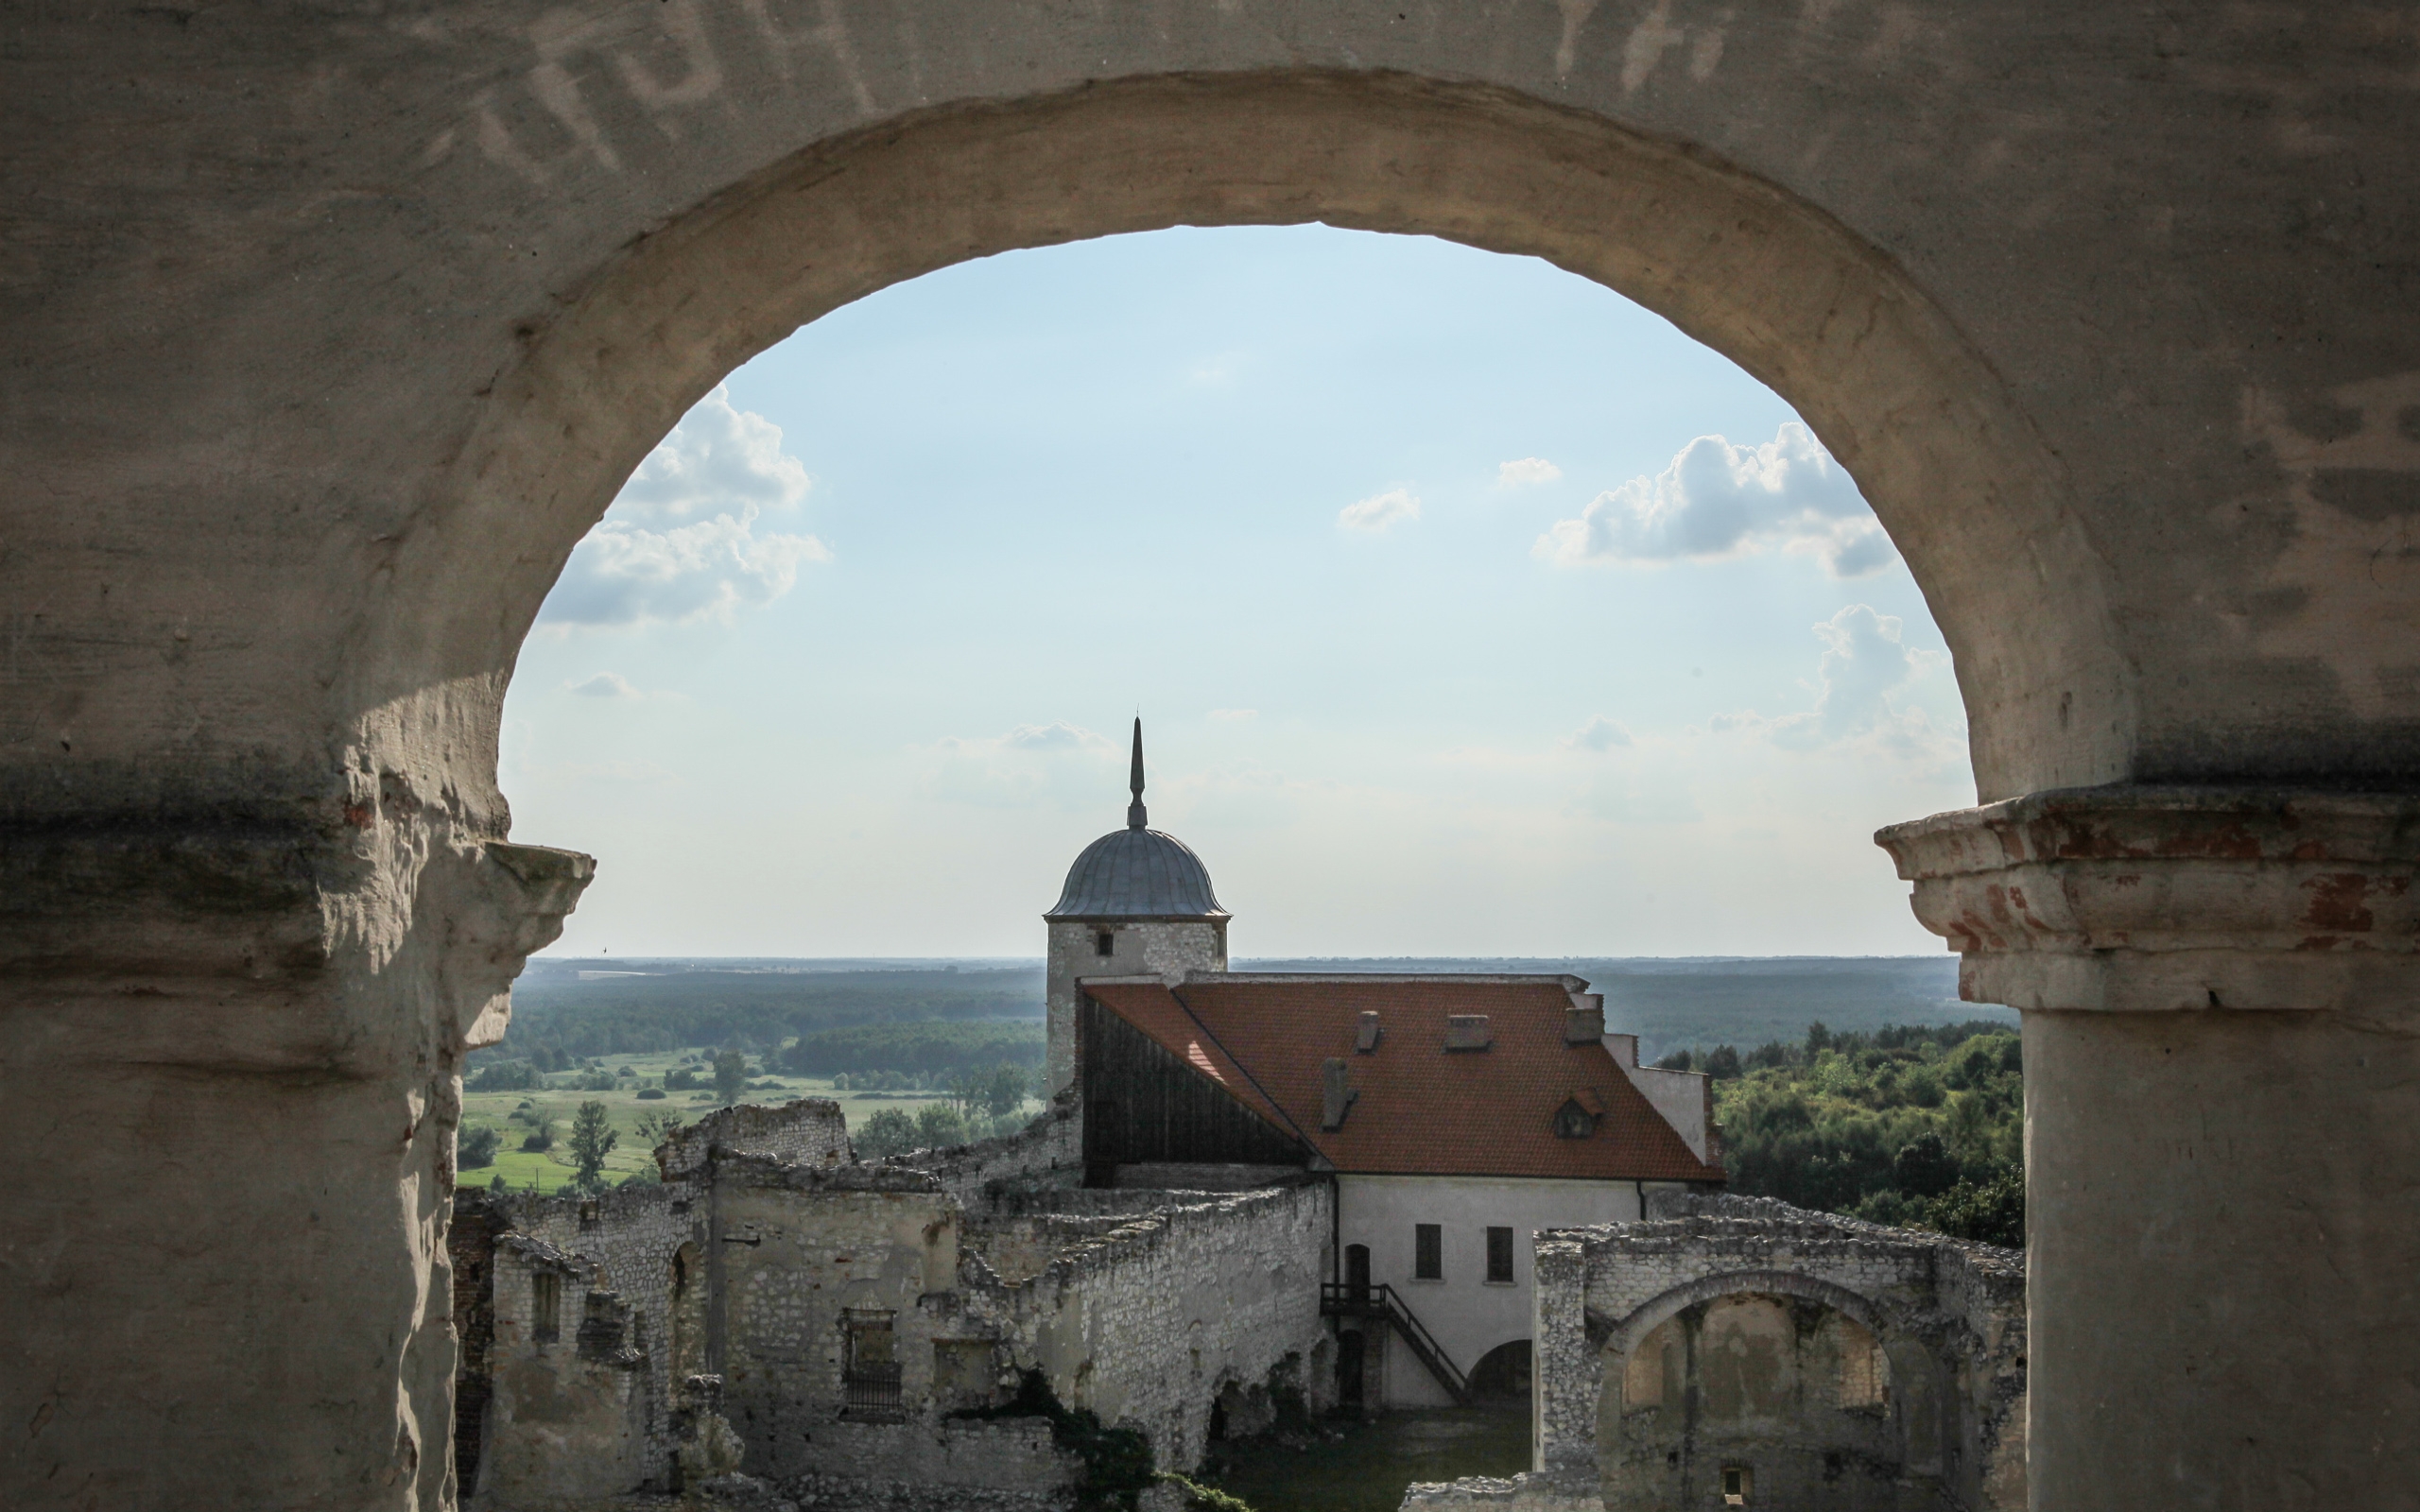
(1455, 1115)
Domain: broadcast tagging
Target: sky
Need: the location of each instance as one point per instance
(1470, 608)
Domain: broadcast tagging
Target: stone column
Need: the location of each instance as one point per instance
(2223, 1132)
(229, 1086)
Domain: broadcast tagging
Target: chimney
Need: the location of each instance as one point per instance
(1583, 1023)
(1366, 1041)
(1336, 1098)
(1467, 1031)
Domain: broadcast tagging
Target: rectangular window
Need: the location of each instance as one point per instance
(1104, 943)
(871, 1371)
(546, 1306)
(1428, 1252)
(1738, 1483)
(1499, 1255)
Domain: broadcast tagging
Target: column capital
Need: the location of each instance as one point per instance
(2146, 898)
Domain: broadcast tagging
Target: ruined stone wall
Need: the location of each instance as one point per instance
(568, 1421)
(809, 1131)
(1147, 1323)
(1048, 1154)
(801, 1250)
(1831, 1358)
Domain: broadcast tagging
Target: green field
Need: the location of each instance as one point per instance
(552, 1170)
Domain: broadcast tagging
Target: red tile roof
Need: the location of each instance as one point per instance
(1423, 1109)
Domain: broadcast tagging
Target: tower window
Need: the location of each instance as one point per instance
(1499, 1255)
(546, 1306)
(1104, 942)
(1428, 1252)
(1738, 1483)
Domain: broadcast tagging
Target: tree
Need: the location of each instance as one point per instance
(592, 1140)
(940, 1126)
(1924, 1166)
(476, 1147)
(1004, 1090)
(1723, 1064)
(889, 1132)
(540, 1137)
(655, 1127)
(730, 1076)
(1994, 1213)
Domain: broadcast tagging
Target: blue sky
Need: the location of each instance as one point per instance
(1470, 608)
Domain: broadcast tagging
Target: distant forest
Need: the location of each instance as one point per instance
(1868, 1087)
(565, 1011)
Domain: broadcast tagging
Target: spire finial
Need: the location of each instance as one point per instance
(1135, 818)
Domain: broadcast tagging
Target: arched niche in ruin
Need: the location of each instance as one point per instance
(1808, 1404)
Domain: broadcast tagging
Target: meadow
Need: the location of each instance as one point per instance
(633, 1153)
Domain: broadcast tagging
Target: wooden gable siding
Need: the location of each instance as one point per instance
(1144, 1105)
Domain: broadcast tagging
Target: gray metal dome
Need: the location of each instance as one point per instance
(1137, 872)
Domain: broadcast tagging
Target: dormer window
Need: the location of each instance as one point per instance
(1578, 1117)
(1104, 942)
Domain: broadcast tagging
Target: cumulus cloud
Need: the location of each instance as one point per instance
(717, 460)
(1526, 470)
(624, 574)
(1864, 664)
(1234, 715)
(604, 685)
(1719, 500)
(681, 540)
(1599, 733)
(1380, 511)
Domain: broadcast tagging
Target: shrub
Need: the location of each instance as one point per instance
(650, 1094)
(476, 1147)
(889, 1132)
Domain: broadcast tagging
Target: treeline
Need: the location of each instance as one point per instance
(1918, 1126)
(559, 1019)
(913, 1047)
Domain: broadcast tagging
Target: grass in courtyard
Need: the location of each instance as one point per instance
(633, 1153)
(1367, 1469)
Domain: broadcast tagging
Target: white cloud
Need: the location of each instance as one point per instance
(1380, 511)
(680, 542)
(718, 459)
(1719, 500)
(1057, 735)
(1057, 765)
(1234, 715)
(1526, 470)
(604, 685)
(1864, 664)
(624, 573)
(1599, 733)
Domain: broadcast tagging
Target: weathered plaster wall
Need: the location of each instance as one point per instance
(1468, 1313)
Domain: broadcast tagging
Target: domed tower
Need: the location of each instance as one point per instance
(1138, 904)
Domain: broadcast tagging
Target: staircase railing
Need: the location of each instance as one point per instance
(1345, 1299)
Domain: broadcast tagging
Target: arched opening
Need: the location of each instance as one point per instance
(1503, 1373)
(1783, 1392)
(688, 1320)
(1884, 381)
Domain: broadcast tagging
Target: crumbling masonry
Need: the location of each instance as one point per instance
(846, 1322)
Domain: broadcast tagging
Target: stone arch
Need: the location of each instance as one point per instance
(1787, 1379)
(1626, 1333)
(1969, 493)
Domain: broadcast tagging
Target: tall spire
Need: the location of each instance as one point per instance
(1135, 818)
